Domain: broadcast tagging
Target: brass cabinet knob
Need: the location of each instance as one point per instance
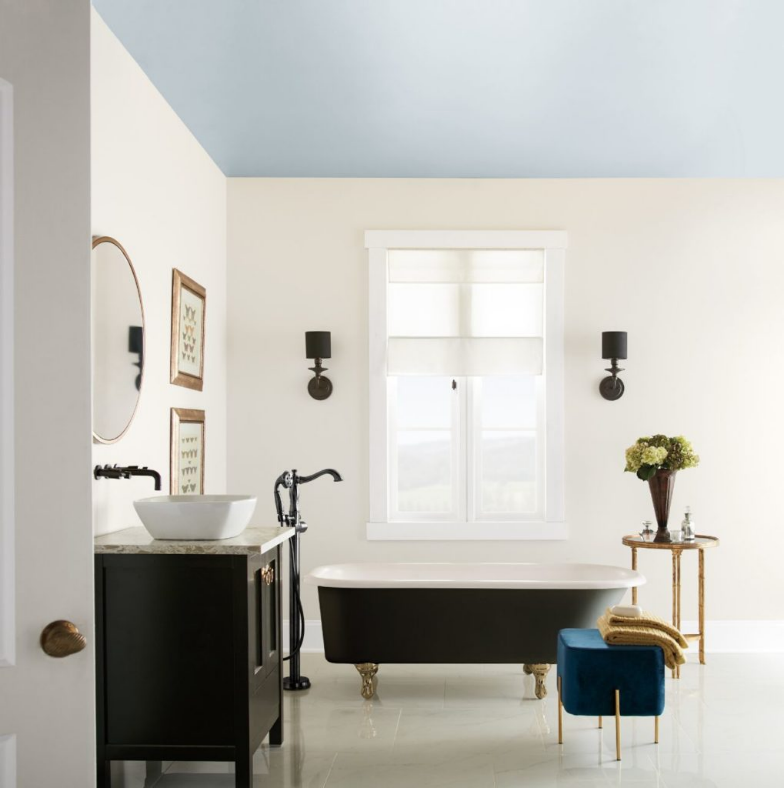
(268, 574)
(62, 638)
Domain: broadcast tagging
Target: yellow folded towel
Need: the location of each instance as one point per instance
(642, 636)
(647, 620)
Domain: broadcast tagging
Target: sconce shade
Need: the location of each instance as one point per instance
(318, 344)
(135, 339)
(613, 344)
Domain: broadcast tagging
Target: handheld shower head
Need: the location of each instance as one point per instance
(286, 480)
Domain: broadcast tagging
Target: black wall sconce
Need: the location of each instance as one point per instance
(318, 345)
(614, 348)
(136, 347)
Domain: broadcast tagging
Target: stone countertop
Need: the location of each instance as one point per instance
(251, 541)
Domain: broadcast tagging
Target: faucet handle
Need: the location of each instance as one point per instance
(109, 472)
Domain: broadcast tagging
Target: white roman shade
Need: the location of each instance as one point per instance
(465, 312)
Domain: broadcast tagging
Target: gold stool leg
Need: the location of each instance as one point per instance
(634, 588)
(560, 713)
(600, 722)
(617, 725)
(656, 731)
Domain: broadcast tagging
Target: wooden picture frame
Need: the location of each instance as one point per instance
(188, 320)
(187, 452)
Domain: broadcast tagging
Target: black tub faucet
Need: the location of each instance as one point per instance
(291, 480)
(327, 471)
(126, 472)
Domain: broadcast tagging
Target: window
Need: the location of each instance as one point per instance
(466, 385)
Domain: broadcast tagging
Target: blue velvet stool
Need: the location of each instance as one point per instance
(595, 679)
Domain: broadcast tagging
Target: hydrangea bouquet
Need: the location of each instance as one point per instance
(659, 452)
(656, 460)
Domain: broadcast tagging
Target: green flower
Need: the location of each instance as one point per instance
(649, 454)
(642, 454)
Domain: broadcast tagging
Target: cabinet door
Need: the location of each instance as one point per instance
(266, 604)
(270, 594)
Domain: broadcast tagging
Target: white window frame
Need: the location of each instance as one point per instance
(553, 243)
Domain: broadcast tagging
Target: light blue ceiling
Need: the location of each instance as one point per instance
(469, 88)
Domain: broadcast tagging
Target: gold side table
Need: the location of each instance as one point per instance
(701, 543)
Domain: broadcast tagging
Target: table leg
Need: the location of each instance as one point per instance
(634, 566)
(676, 599)
(702, 604)
(680, 555)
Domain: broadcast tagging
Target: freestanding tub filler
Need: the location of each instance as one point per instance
(460, 613)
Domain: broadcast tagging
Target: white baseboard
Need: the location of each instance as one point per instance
(740, 637)
(722, 637)
(313, 642)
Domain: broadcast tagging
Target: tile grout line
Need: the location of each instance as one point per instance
(397, 727)
(329, 772)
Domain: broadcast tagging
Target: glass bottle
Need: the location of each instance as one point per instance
(687, 526)
(647, 532)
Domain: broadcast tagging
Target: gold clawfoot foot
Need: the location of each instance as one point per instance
(539, 672)
(368, 672)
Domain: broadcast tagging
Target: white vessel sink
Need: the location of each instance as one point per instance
(195, 517)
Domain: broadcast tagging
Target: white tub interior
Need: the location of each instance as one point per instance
(474, 575)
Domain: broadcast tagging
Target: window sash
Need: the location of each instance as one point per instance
(466, 458)
(475, 458)
(457, 512)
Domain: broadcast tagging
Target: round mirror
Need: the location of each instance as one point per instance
(117, 340)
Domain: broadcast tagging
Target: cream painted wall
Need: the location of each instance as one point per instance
(157, 192)
(692, 269)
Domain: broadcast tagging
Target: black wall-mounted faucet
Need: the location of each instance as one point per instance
(126, 472)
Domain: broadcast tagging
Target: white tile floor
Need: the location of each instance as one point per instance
(471, 726)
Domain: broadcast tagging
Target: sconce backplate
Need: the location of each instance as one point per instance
(611, 388)
(319, 387)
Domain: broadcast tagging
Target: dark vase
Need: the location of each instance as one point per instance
(662, 484)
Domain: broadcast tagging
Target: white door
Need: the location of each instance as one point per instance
(7, 611)
(46, 703)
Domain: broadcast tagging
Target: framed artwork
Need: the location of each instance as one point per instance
(189, 305)
(187, 452)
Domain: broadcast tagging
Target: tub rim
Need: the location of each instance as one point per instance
(624, 577)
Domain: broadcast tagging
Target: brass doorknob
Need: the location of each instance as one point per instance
(61, 639)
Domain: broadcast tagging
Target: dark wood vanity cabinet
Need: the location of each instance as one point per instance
(188, 658)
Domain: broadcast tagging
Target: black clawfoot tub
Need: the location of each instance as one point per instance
(460, 613)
